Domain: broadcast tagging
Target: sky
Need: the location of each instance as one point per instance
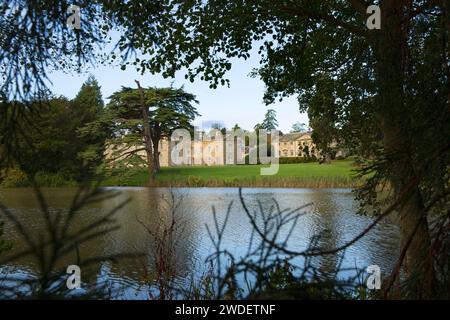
(241, 103)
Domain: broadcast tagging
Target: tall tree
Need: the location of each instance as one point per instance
(89, 102)
(87, 108)
(270, 121)
(168, 109)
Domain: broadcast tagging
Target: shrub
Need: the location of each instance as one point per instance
(16, 178)
(11, 178)
(247, 160)
(54, 180)
(290, 160)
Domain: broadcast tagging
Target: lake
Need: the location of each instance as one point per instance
(332, 214)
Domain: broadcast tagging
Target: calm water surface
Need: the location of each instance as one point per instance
(332, 213)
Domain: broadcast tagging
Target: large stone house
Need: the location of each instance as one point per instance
(297, 144)
(212, 153)
(209, 153)
(300, 144)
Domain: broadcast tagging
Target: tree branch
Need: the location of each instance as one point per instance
(327, 18)
(125, 155)
(359, 5)
(404, 195)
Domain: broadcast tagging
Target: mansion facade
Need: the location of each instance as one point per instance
(297, 144)
(300, 144)
(210, 153)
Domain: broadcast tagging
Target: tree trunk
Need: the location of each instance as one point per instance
(412, 218)
(147, 136)
(390, 47)
(156, 155)
(327, 157)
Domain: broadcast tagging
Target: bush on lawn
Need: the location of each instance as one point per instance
(290, 160)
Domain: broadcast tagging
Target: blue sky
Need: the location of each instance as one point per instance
(241, 103)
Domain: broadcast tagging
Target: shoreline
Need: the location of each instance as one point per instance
(339, 174)
(312, 184)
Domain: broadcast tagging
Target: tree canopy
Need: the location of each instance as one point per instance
(299, 127)
(53, 142)
(168, 109)
(270, 121)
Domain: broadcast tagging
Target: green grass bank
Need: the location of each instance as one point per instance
(338, 174)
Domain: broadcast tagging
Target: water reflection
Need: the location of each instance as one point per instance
(332, 215)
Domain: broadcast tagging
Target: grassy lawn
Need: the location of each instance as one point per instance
(337, 174)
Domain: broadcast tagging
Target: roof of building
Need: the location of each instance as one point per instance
(294, 136)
